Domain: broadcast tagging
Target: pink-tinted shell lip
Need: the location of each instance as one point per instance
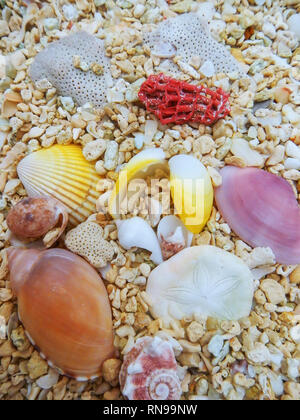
(32, 218)
(262, 210)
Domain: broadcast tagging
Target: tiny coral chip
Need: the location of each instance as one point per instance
(174, 101)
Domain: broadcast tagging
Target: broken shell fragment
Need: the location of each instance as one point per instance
(64, 307)
(262, 210)
(173, 236)
(149, 371)
(192, 191)
(201, 280)
(55, 64)
(142, 165)
(136, 232)
(188, 33)
(32, 218)
(295, 275)
(62, 173)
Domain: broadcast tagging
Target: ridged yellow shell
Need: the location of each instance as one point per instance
(139, 167)
(63, 173)
(191, 190)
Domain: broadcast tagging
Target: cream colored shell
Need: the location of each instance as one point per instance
(202, 280)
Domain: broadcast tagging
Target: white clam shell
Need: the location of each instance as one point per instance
(136, 232)
(201, 280)
(174, 231)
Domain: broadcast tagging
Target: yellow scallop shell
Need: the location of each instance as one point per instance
(63, 173)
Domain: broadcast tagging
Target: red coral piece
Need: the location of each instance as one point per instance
(174, 101)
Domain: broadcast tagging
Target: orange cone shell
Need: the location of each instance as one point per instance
(64, 307)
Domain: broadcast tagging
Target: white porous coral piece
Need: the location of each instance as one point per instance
(55, 64)
(149, 371)
(87, 241)
(189, 35)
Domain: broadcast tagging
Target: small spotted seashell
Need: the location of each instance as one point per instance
(149, 371)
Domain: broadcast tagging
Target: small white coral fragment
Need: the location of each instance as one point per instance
(241, 149)
(208, 68)
(55, 64)
(94, 149)
(87, 240)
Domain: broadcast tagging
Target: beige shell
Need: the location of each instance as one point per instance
(62, 172)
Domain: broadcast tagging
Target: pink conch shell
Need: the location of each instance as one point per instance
(149, 371)
(262, 210)
(64, 307)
